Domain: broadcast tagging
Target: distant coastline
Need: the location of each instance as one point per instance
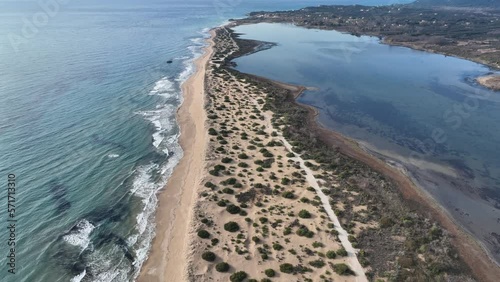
(430, 29)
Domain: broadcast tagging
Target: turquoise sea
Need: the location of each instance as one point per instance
(88, 93)
(421, 112)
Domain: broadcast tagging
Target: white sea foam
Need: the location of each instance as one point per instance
(163, 87)
(145, 188)
(80, 236)
(113, 156)
(196, 51)
(164, 121)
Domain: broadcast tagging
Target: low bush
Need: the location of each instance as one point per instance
(304, 214)
(286, 268)
(342, 252)
(342, 269)
(222, 267)
(288, 195)
(317, 263)
(270, 272)
(231, 226)
(208, 256)
(203, 234)
(238, 276)
(233, 209)
(331, 254)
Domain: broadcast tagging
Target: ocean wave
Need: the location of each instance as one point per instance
(102, 269)
(162, 87)
(163, 120)
(79, 235)
(145, 188)
(196, 51)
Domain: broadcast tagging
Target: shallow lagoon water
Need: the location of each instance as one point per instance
(419, 110)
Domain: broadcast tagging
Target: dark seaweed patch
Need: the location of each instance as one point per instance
(59, 193)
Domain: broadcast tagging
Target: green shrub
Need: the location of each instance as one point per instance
(287, 231)
(304, 232)
(277, 247)
(243, 156)
(286, 268)
(228, 191)
(231, 226)
(229, 181)
(317, 263)
(342, 252)
(342, 269)
(304, 214)
(222, 267)
(331, 254)
(270, 272)
(212, 131)
(317, 245)
(238, 276)
(226, 160)
(288, 195)
(233, 209)
(208, 256)
(285, 181)
(203, 234)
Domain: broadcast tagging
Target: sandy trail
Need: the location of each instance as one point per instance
(313, 182)
(343, 235)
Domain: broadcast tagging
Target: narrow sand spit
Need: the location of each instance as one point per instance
(168, 258)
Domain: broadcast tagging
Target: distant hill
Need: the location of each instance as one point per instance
(461, 3)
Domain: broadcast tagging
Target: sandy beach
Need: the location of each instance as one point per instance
(167, 260)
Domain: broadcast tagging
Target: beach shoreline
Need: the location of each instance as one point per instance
(167, 259)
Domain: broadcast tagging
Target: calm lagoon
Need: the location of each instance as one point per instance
(420, 111)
